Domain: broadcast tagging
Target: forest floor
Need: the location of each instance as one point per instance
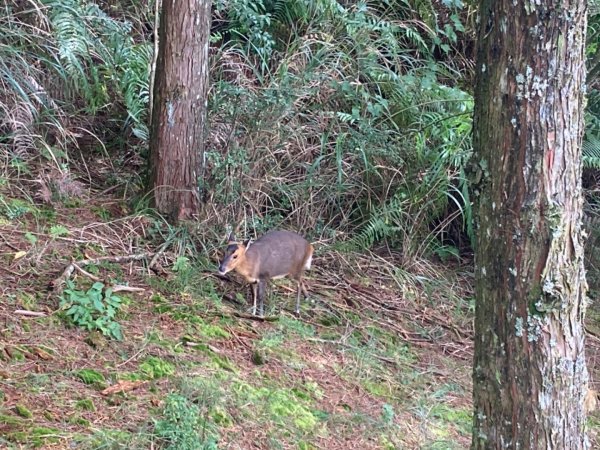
(380, 360)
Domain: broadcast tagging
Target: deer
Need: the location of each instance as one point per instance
(276, 254)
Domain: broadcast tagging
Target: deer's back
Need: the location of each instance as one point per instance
(279, 253)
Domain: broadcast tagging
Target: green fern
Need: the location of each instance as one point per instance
(389, 221)
(377, 145)
(100, 57)
(591, 151)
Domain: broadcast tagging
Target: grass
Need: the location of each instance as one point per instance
(207, 391)
(345, 374)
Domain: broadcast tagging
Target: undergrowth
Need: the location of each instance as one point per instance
(94, 309)
(183, 427)
(347, 121)
(359, 139)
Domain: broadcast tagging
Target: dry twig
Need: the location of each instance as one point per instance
(57, 284)
(123, 288)
(123, 386)
(24, 312)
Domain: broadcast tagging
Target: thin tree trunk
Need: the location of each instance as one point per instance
(179, 107)
(530, 376)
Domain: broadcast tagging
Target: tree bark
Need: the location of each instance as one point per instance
(179, 107)
(530, 376)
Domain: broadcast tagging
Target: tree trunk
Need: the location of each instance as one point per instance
(530, 376)
(179, 107)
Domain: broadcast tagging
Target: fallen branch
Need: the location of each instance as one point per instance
(122, 288)
(253, 317)
(158, 254)
(86, 273)
(123, 386)
(57, 284)
(24, 312)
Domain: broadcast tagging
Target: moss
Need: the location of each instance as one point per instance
(271, 339)
(36, 437)
(78, 420)
(329, 320)
(96, 340)
(212, 331)
(130, 376)
(535, 294)
(85, 404)
(221, 417)
(90, 376)
(23, 411)
(281, 404)
(109, 439)
(223, 362)
(153, 368)
(15, 355)
(461, 419)
(101, 212)
(302, 395)
(11, 420)
(258, 358)
(294, 326)
(378, 389)
(386, 444)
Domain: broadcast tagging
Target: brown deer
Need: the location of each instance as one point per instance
(276, 254)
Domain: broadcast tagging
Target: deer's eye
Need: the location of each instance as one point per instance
(235, 256)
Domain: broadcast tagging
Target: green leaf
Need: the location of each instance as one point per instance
(98, 305)
(92, 310)
(58, 231)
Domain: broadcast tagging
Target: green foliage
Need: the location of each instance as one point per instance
(99, 54)
(387, 414)
(36, 437)
(113, 439)
(183, 427)
(90, 376)
(293, 326)
(153, 368)
(95, 309)
(181, 264)
(23, 411)
(351, 126)
(591, 141)
(13, 209)
(85, 404)
(249, 25)
(58, 231)
(212, 331)
(80, 61)
(325, 115)
(280, 405)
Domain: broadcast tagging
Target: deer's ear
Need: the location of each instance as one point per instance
(231, 238)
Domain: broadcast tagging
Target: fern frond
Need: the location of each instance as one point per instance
(100, 55)
(591, 151)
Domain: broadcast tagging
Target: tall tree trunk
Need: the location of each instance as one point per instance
(530, 375)
(179, 107)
